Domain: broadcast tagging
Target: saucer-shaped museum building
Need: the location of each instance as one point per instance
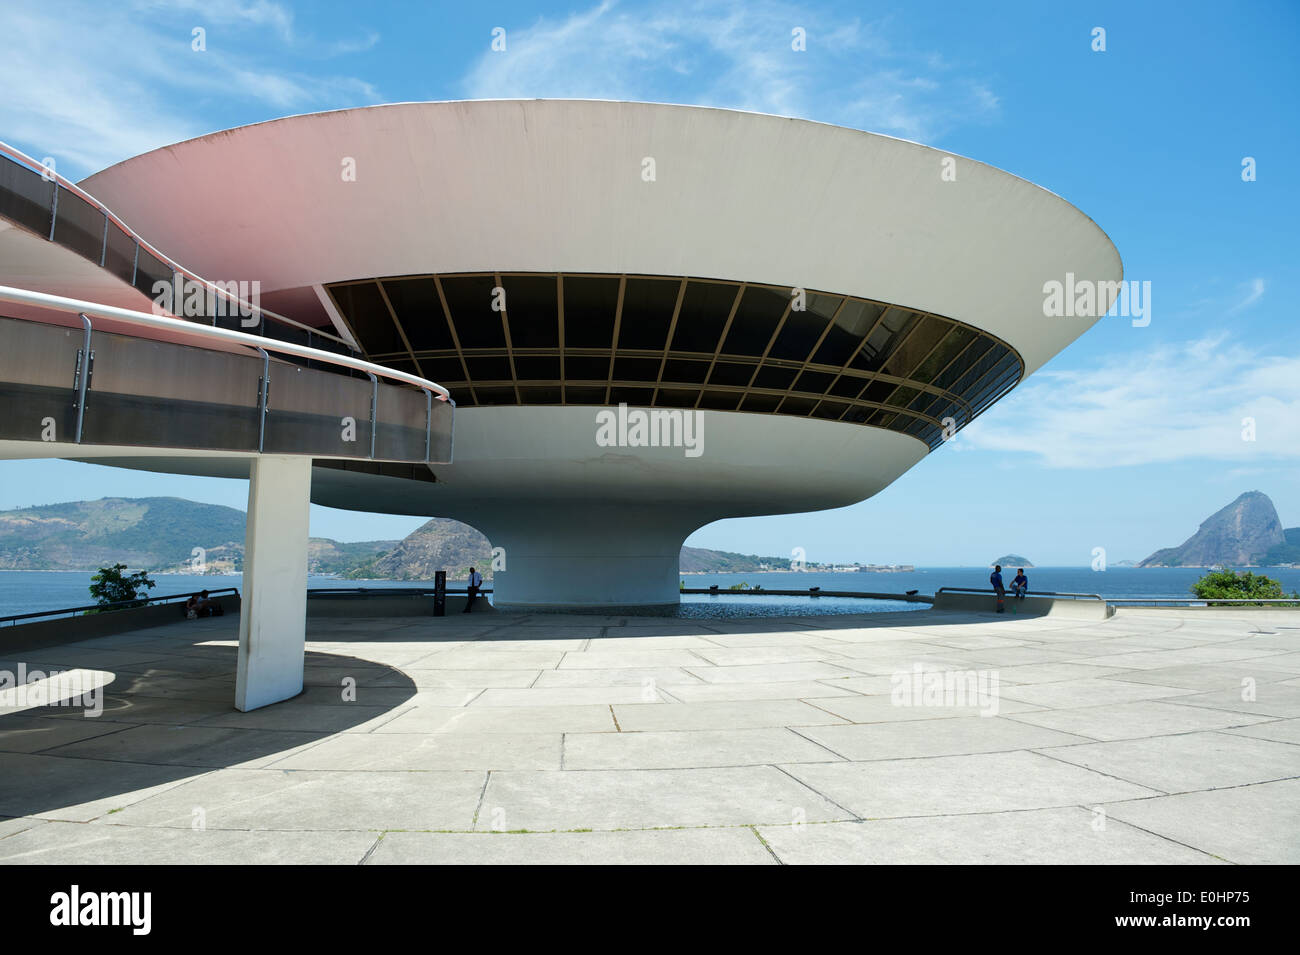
(825, 306)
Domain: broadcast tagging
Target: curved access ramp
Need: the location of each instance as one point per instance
(248, 392)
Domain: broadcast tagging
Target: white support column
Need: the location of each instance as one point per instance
(273, 618)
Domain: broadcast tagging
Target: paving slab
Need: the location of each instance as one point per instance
(1270, 699)
(645, 799)
(1248, 825)
(768, 672)
(32, 734)
(952, 785)
(430, 751)
(720, 715)
(63, 843)
(1074, 693)
(913, 738)
(270, 799)
(77, 790)
(882, 709)
(701, 692)
(1284, 731)
(691, 749)
(731, 846)
(1189, 761)
(1138, 720)
(1066, 836)
(192, 745)
(502, 719)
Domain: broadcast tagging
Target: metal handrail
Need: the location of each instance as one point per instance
(909, 598)
(50, 175)
(225, 335)
(384, 591)
(1028, 593)
(1205, 600)
(129, 604)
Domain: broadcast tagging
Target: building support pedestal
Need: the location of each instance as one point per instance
(273, 615)
(557, 554)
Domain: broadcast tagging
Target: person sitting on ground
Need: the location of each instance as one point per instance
(1019, 585)
(201, 605)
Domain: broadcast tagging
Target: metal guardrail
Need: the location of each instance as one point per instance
(92, 239)
(330, 593)
(158, 396)
(989, 592)
(13, 619)
(1292, 601)
(164, 323)
(810, 592)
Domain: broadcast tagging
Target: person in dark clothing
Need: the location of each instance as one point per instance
(1019, 585)
(995, 579)
(475, 582)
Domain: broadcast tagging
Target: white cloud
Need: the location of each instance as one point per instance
(93, 84)
(1254, 292)
(714, 54)
(1173, 402)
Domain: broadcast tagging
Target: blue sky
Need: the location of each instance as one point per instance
(1125, 441)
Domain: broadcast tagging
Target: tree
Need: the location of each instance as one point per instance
(1229, 585)
(111, 586)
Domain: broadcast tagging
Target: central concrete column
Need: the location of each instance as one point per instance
(273, 615)
(578, 553)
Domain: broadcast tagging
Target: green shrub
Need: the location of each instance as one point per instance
(1230, 585)
(111, 586)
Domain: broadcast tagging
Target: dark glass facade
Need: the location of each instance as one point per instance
(655, 341)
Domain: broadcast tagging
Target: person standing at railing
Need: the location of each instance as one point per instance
(1019, 584)
(995, 579)
(475, 582)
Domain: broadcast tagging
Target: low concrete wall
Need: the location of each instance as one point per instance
(1078, 609)
(45, 633)
(395, 606)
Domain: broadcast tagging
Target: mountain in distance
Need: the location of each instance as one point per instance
(440, 544)
(1012, 560)
(1288, 552)
(150, 532)
(160, 534)
(1245, 533)
(444, 544)
(701, 560)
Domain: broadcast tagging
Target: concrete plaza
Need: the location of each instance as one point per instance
(1157, 736)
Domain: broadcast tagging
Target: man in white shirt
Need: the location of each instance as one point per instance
(475, 582)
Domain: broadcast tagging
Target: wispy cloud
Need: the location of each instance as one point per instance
(708, 53)
(1189, 401)
(1254, 292)
(96, 83)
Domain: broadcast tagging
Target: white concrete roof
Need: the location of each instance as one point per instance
(556, 185)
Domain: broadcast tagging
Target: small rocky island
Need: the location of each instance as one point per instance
(1012, 560)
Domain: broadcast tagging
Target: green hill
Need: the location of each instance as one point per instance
(1288, 552)
(159, 534)
(149, 532)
